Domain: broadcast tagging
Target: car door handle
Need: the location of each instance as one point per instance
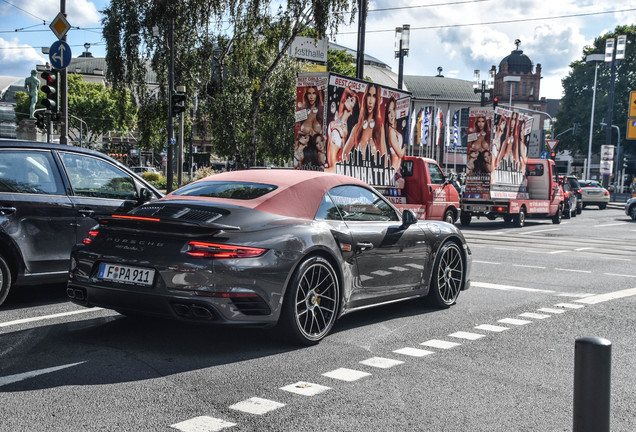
(364, 246)
(7, 210)
(87, 212)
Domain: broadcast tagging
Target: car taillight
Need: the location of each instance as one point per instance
(199, 249)
(606, 192)
(579, 191)
(90, 237)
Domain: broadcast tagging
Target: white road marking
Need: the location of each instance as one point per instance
(578, 295)
(25, 375)
(202, 424)
(534, 315)
(305, 388)
(573, 270)
(365, 278)
(345, 374)
(620, 275)
(415, 266)
(414, 352)
(441, 344)
(540, 231)
(257, 406)
(569, 305)
(467, 335)
(613, 224)
(514, 321)
(382, 363)
(400, 269)
(552, 310)
(584, 248)
(48, 317)
(492, 328)
(381, 273)
(486, 262)
(506, 287)
(558, 252)
(528, 266)
(608, 296)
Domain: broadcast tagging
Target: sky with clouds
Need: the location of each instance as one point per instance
(459, 36)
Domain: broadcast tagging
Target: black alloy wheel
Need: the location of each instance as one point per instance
(556, 219)
(311, 302)
(448, 275)
(5, 279)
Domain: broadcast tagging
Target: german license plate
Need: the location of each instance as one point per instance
(478, 208)
(126, 274)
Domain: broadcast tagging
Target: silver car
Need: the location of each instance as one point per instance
(594, 194)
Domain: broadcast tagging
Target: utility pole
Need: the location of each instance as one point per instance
(63, 123)
(362, 24)
(171, 140)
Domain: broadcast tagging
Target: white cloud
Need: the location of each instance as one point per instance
(16, 58)
(82, 13)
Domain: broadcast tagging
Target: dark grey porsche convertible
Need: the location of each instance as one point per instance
(290, 248)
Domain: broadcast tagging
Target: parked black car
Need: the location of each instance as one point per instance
(48, 193)
(576, 187)
(569, 199)
(630, 208)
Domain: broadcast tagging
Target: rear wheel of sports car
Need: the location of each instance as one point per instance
(311, 302)
(5, 279)
(448, 275)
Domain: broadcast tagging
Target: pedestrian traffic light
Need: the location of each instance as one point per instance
(39, 120)
(495, 101)
(178, 103)
(50, 89)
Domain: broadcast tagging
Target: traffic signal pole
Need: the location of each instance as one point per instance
(63, 122)
(170, 155)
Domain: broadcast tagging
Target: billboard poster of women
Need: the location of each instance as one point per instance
(478, 157)
(509, 151)
(310, 141)
(366, 130)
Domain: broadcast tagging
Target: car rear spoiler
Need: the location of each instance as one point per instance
(161, 224)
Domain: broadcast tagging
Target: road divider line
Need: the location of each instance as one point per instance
(529, 266)
(612, 224)
(572, 270)
(506, 287)
(48, 317)
(608, 296)
(22, 376)
(620, 275)
(486, 262)
(540, 231)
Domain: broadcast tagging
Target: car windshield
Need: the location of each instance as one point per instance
(222, 189)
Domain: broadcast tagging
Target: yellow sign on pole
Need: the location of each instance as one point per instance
(59, 26)
(631, 129)
(632, 104)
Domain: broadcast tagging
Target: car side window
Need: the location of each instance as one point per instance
(328, 210)
(96, 178)
(356, 203)
(437, 176)
(29, 171)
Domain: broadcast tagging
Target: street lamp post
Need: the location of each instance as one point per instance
(486, 88)
(595, 58)
(613, 56)
(402, 35)
(617, 156)
(511, 79)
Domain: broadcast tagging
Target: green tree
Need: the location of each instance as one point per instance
(231, 56)
(578, 86)
(340, 61)
(95, 109)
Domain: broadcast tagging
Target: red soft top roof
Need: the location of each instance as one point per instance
(298, 193)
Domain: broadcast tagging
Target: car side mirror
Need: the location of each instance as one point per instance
(144, 195)
(408, 218)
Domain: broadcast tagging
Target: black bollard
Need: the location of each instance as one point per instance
(592, 376)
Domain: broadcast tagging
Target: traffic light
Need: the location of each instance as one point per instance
(50, 89)
(39, 120)
(178, 103)
(624, 162)
(553, 155)
(495, 101)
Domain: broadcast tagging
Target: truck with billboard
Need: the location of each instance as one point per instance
(501, 180)
(360, 129)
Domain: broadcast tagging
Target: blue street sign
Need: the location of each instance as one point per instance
(60, 55)
(544, 155)
(173, 140)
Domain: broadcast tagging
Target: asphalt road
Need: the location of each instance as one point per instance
(501, 359)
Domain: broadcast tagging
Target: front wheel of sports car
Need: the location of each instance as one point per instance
(311, 302)
(5, 279)
(448, 275)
